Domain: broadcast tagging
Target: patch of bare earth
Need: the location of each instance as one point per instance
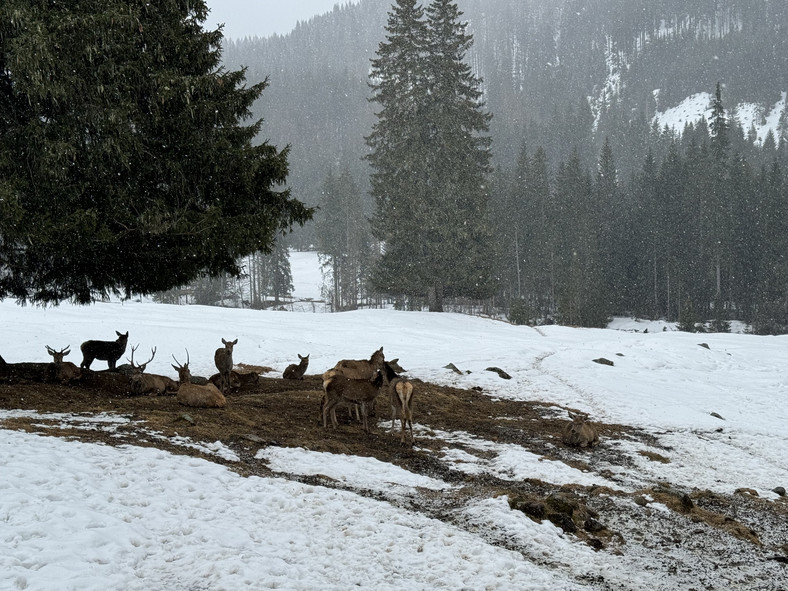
(692, 538)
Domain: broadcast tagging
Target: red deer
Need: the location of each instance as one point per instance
(234, 381)
(143, 383)
(357, 369)
(189, 394)
(354, 391)
(401, 399)
(360, 369)
(580, 433)
(63, 371)
(109, 351)
(223, 358)
(296, 371)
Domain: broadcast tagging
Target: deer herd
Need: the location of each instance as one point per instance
(355, 384)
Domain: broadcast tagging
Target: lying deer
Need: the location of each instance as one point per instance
(296, 371)
(143, 383)
(189, 394)
(580, 433)
(233, 382)
(354, 391)
(401, 399)
(109, 351)
(223, 358)
(63, 371)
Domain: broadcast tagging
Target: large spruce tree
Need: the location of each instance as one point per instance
(430, 158)
(124, 164)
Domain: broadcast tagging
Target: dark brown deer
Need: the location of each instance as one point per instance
(62, 371)
(143, 383)
(109, 351)
(353, 391)
(189, 394)
(401, 399)
(223, 358)
(296, 371)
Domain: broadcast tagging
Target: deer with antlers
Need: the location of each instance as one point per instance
(189, 394)
(62, 371)
(143, 383)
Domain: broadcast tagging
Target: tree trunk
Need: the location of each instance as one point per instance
(435, 297)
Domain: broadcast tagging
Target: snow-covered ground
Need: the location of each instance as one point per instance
(84, 516)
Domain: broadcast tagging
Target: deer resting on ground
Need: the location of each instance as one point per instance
(296, 371)
(109, 351)
(63, 371)
(189, 394)
(143, 383)
(580, 433)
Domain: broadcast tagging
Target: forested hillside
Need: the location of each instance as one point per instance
(684, 217)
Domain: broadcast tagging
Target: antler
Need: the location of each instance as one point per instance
(57, 356)
(63, 351)
(141, 366)
(187, 359)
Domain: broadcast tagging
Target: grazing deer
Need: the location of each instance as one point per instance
(109, 351)
(400, 397)
(354, 391)
(63, 371)
(189, 394)
(143, 383)
(580, 433)
(223, 358)
(296, 371)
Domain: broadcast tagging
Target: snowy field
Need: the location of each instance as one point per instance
(92, 517)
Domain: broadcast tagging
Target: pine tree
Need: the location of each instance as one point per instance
(430, 158)
(719, 197)
(280, 276)
(343, 239)
(124, 164)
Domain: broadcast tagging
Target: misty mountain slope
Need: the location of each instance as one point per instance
(559, 73)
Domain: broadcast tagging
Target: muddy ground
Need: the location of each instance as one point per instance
(706, 540)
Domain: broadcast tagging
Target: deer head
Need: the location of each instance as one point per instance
(57, 356)
(139, 368)
(184, 374)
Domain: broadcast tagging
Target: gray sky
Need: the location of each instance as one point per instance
(243, 18)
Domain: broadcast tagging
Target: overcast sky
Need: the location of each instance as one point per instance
(244, 18)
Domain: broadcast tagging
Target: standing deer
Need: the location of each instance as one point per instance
(359, 369)
(223, 358)
(340, 388)
(63, 371)
(189, 394)
(109, 351)
(143, 383)
(401, 399)
(580, 433)
(296, 372)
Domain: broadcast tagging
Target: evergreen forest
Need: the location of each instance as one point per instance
(592, 207)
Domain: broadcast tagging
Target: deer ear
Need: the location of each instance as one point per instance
(173, 367)
(235, 342)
